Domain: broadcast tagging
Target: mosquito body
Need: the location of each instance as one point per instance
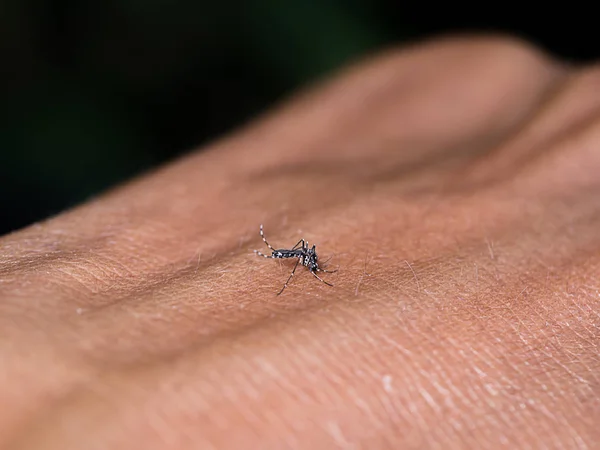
(306, 255)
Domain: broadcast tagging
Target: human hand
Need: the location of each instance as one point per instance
(455, 185)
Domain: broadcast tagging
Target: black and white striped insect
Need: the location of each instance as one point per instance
(307, 256)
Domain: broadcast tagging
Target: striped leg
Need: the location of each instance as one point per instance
(262, 234)
(300, 244)
(290, 277)
(320, 279)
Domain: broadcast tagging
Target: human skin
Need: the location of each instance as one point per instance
(453, 183)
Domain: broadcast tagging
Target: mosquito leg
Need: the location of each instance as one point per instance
(299, 244)
(320, 279)
(262, 234)
(262, 254)
(290, 277)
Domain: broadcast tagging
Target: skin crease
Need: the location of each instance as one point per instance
(455, 185)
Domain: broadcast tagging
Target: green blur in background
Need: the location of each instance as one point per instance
(94, 93)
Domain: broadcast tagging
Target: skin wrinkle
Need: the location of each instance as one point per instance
(100, 284)
(504, 276)
(125, 287)
(533, 139)
(569, 161)
(417, 94)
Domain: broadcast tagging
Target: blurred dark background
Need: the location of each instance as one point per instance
(94, 92)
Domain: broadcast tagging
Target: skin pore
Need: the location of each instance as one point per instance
(455, 186)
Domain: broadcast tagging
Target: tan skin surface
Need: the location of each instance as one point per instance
(456, 186)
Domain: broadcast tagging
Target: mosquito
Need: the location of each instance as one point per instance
(307, 256)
